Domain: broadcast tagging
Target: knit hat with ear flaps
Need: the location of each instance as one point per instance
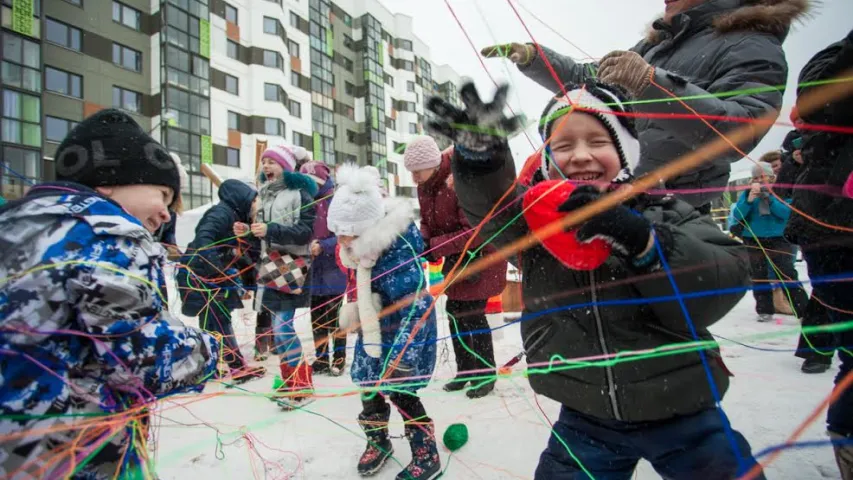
(601, 101)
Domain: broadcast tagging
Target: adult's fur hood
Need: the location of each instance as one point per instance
(762, 16)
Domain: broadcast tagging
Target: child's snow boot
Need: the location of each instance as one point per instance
(247, 373)
(480, 388)
(425, 464)
(297, 386)
(379, 448)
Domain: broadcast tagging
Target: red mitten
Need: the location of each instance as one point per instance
(540, 209)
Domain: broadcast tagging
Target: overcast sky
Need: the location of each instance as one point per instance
(582, 29)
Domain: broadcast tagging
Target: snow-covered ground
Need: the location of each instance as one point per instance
(768, 399)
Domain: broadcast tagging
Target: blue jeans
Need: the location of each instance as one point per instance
(836, 262)
(285, 342)
(694, 447)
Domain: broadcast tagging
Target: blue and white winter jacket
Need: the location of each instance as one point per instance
(396, 245)
(85, 338)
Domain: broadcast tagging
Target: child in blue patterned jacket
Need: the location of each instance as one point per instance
(84, 331)
(395, 353)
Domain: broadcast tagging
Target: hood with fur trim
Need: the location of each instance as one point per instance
(399, 214)
(774, 17)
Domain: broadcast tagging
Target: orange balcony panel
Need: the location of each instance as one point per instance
(235, 139)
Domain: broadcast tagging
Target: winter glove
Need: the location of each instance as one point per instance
(627, 232)
(521, 54)
(626, 69)
(479, 127)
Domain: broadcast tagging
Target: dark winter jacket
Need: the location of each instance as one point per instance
(719, 47)
(215, 257)
(827, 157)
(613, 309)
(790, 169)
(287, 209)
(326, 277)
(444, 227)
(84, 333)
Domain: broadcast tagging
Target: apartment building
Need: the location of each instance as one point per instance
(213, 78)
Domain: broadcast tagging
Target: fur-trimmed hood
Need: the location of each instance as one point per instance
(399, 214)
(762, 16)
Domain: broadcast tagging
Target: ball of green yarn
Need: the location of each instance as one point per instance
(455, 436)
(277, 382)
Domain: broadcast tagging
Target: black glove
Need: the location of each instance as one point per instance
(479, 127)
(625, 231)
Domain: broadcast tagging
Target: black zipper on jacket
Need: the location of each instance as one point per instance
(611, 384)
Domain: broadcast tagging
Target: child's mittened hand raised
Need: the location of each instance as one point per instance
(479, 127)
(627, 232)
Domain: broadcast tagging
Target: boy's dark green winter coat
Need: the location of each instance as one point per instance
(615, 309)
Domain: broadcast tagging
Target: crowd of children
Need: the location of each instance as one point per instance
(86, 330)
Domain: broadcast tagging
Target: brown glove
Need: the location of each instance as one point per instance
(626, 69)
(519, 53)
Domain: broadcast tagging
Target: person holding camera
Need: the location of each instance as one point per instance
(765, 216)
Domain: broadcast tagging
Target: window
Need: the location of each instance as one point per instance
(232, 157)
(294, 20)
(232, 85)
(79, 3)
(21, 118)
(230, 13)
(410, 86)
(301, 140)
(233, 121)
(293, 48)
(62, 34)
(21, 61)
(348, 42)
(403, 44)
(273, 59)
(349, 88)
(391, 123)
(295, 108)
(413, 128)
(127, 57)
(270, 26)
(127, 99)
(127, 16)
(294, 78)
(399, 147)
(232, 49)
(26, 163)
(271, 92)
(65, 83)
(57, 128)
(389, 80)
(273, 126)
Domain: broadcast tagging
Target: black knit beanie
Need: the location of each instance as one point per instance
(109, 149)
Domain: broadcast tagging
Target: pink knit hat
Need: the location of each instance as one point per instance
(318, 171)
(283, 156)
(421, 154)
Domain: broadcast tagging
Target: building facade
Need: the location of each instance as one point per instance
(212, 78)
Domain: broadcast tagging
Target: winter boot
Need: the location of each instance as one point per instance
(247, 374)
(379, 448)
(480, 388)
(298, 383)
(458, 383)
(425, 464)
(843, 456)
(815, 365)
(321, 365)
(765, 317)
